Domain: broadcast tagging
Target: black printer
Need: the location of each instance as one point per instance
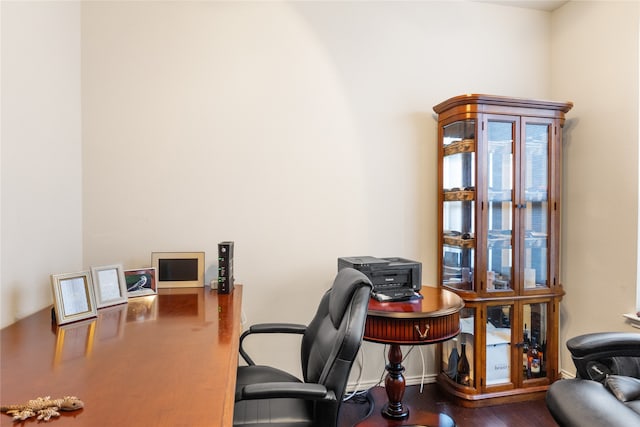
(393, 279)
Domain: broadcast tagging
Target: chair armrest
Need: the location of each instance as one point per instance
(276, 328)
(589, 348)
(276, 390)
(269, 328)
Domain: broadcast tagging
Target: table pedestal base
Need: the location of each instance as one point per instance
(416, 418)
(395, 384)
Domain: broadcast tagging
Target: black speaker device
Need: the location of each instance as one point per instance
(225, 267)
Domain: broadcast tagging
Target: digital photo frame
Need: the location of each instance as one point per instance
(179, 269)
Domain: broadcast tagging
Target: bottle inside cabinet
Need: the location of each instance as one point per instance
(463, 375)
(534, 360)
(535, 314)
(459, 348)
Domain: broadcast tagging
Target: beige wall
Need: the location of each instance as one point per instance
(595, 56)
(40, 151)
(302, 131)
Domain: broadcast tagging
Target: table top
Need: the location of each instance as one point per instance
(433, 318)
(435, 302)
(163, 360)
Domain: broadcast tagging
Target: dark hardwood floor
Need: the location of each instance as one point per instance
(523, 414)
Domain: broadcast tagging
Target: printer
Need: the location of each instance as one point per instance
(393, 279)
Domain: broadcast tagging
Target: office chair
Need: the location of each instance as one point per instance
(266, 396)
(606, 389)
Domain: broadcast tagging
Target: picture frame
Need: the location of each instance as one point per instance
(179, 269)
(109, 285)
(73, 297)
(141, 282)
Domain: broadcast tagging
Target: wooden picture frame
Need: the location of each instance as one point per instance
(109, 285)
(73, 297)
(141, 282)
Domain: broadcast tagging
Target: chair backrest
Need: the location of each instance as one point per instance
(333, 338)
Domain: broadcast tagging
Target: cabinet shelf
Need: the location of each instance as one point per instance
(461, 146)
(459, 242)
(499, 238)
(459, 195)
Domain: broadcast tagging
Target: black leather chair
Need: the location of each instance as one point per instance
(606, 390)
(266, 396)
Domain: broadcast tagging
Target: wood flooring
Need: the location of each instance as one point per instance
(523, 414)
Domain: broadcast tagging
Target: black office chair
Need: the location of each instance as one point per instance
(266, 396)
(606, 389)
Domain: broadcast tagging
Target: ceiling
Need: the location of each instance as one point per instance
(547, 5)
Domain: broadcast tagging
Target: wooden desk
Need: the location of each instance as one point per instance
(432, 319)
(163, 360)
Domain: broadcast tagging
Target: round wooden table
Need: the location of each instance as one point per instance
(432, 319)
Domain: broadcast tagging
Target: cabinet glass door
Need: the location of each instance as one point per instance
(458, 208)
(498, 344)
(499, 163)
(536, 202)
(534, 364)
(458, 354)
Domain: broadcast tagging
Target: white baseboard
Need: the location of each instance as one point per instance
(412, 380)
(428, 379)
(566, 375)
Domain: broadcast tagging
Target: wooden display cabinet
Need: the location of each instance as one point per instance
(499, 228)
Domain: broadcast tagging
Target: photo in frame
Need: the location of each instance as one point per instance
(73, 297)
(141, 282)
(109, 285)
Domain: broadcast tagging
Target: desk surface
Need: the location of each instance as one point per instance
(163, 360)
